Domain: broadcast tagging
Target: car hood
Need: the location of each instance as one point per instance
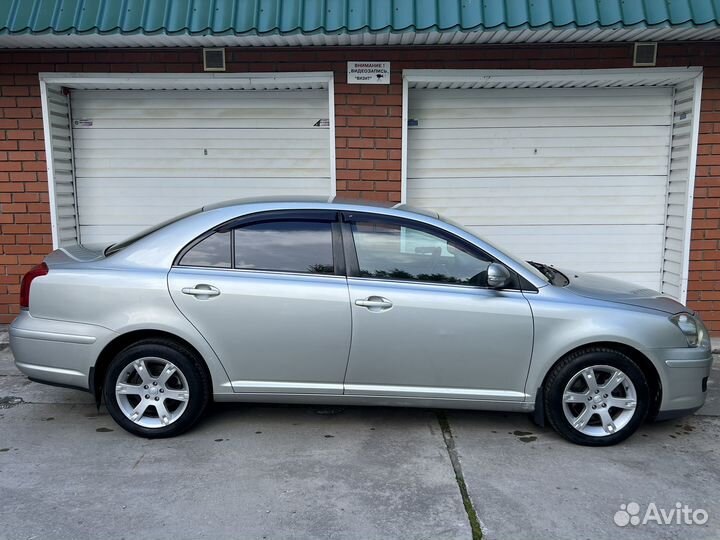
(621, 292)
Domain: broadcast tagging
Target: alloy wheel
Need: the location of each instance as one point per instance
(599, 400)
(152, 392)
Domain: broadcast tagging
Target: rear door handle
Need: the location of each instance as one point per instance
(374, 303)
(201, 290)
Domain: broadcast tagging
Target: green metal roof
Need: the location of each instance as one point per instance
(329, 17)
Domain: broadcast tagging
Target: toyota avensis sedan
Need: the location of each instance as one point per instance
(327, 302)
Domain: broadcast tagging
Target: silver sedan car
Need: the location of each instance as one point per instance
(340, 303)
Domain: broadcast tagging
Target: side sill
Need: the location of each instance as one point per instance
(423, 392)
(59, 385)
(249, 387)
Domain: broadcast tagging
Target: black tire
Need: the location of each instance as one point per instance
(567, 368)
(198, 383)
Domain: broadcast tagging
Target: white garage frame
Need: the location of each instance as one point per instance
(57, 122)
(687, 88)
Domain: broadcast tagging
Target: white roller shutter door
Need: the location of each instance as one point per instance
(575, 177)
(143, 156)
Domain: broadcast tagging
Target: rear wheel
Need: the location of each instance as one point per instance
(156, 388)
(596, 397)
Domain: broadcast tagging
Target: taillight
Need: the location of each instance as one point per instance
(39, 270)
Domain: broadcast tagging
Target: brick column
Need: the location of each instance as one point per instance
(704, 277)
(25, 236)
(368, 119)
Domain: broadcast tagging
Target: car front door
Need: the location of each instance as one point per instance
(425, 324)
(270, 296)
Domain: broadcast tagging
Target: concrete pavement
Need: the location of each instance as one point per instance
(67, 471)
(245, 472)
(527, 483)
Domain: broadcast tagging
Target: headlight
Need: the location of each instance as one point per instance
(693, 328)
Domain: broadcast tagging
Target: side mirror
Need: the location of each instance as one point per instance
(497, 276)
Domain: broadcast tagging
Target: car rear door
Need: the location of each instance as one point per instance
(425, 324)
(269, 294)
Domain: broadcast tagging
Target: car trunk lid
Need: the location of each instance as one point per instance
(75, 253)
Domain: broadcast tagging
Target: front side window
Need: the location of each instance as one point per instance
(285, 246)
(392, 250)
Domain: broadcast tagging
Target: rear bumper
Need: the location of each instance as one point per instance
(56, 352)
(683, 373)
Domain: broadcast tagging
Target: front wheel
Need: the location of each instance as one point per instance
(156, 388)
(596, 397)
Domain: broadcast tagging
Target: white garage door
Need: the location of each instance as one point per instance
(144, 156)
(572, 177)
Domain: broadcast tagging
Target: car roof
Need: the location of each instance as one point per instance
(332, 202)
(157, 248)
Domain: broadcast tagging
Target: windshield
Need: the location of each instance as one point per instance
(114, 248)
(525, 264)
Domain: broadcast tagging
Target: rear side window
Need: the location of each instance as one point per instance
(300, 246)
(285, 246)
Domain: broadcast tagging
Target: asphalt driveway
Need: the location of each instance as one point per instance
(67, 471)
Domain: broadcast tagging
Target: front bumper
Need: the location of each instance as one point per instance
(683, 373)
(57, 352)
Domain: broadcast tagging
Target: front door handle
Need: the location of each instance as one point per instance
(374, 303)
(201, 291)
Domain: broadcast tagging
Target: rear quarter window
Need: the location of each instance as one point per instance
(214, 251)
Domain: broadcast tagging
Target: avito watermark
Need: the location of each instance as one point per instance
(680, 514)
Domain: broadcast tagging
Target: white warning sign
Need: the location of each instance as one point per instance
(368, 72)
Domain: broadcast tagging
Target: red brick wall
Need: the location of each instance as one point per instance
(704, 286)
(368, 136)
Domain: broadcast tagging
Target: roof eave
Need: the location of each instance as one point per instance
(385, 37)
